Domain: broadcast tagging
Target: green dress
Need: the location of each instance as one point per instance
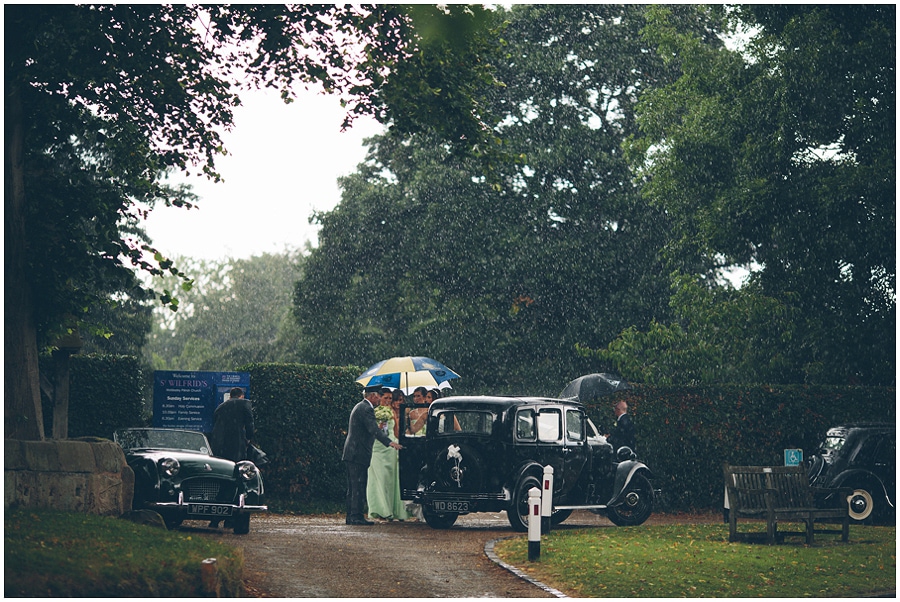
(383, 489)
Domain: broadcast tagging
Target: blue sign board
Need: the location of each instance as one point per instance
(793, 457)
(187, 399)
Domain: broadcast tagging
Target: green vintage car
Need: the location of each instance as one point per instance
(176, 475)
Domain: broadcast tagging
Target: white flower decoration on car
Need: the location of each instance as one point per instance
(456, 472)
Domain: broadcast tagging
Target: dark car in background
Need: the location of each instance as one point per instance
(176, 475)
(861, 456)
(483, 454)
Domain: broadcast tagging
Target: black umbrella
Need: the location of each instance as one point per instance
(589, 387)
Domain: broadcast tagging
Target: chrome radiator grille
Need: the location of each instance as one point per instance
(204, 490)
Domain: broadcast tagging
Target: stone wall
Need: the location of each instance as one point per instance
(74, 475)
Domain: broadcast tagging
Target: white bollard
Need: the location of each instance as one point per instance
(534, 524)
(209, 577)
(547, 499)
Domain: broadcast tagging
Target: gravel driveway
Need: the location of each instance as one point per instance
(320, 556)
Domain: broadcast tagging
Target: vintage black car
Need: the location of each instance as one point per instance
(861, 456)
(483, 454)
(176, 476)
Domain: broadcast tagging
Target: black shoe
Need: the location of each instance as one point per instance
(360, 522)
(214, 524)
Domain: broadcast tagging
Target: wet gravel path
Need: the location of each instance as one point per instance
(320, 556)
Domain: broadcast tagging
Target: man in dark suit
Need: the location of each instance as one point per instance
(232, 427)
(361, 434)
(623, 433)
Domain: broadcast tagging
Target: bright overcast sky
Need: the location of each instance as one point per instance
(283, 164)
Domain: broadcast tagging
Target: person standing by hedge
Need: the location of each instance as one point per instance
(232, 427)
(362, 432)
(232, 430)
(623, 433)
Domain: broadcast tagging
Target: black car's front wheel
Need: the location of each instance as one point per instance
(637, 504)
(865, 507)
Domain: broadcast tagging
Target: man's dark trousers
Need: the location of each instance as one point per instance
(357, 479)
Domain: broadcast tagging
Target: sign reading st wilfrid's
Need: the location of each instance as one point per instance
(184, 399)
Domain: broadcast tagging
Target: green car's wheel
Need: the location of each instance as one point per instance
(242, 524)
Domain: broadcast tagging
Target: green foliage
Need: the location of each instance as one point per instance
(498, 268)
(685, 434)
(105, 393)
(102, 101)
(718, 335)
(780, 155)
(236, 312)
(301, 416)
(696, 561)
(71, 555)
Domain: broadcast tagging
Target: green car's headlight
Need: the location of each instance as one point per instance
(246, 470)
(169, 466)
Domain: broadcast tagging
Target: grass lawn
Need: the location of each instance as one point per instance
(62, 554)
(698, 561)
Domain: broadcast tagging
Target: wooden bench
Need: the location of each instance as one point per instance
(780, 493)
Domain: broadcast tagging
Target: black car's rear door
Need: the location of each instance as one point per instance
(413, 454)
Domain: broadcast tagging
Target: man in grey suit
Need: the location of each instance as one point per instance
(361, 434)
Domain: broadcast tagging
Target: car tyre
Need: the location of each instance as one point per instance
(242, 524)
(559, 516)
(638, 504)
(172, 520)
(438, 520)
(863, 507)
(517, 513)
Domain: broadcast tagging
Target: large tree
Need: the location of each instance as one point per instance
(780, 155)
(101, 100)
(499, 268)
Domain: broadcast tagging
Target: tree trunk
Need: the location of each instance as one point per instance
(23, 417)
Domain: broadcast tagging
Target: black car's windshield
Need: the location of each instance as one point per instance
(833, 443)
(162, 439)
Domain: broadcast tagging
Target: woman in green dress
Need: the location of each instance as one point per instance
(383, 489)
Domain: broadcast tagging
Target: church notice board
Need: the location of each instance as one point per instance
(187, 399)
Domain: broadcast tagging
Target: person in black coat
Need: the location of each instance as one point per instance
(232, 427)
(361, 434)
(623, 433)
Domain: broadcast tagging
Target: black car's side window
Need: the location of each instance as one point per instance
(549, 425)
(574, 425)
(868, 451)
(525, 425)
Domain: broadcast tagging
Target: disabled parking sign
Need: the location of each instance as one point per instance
(793, 457)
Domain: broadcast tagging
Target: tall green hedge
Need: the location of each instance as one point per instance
(685, 434)
(301, 415)
(106, 392)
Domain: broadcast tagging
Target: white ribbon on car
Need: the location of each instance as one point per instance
(453, 454)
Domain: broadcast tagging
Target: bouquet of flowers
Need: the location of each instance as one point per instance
(383, 414)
